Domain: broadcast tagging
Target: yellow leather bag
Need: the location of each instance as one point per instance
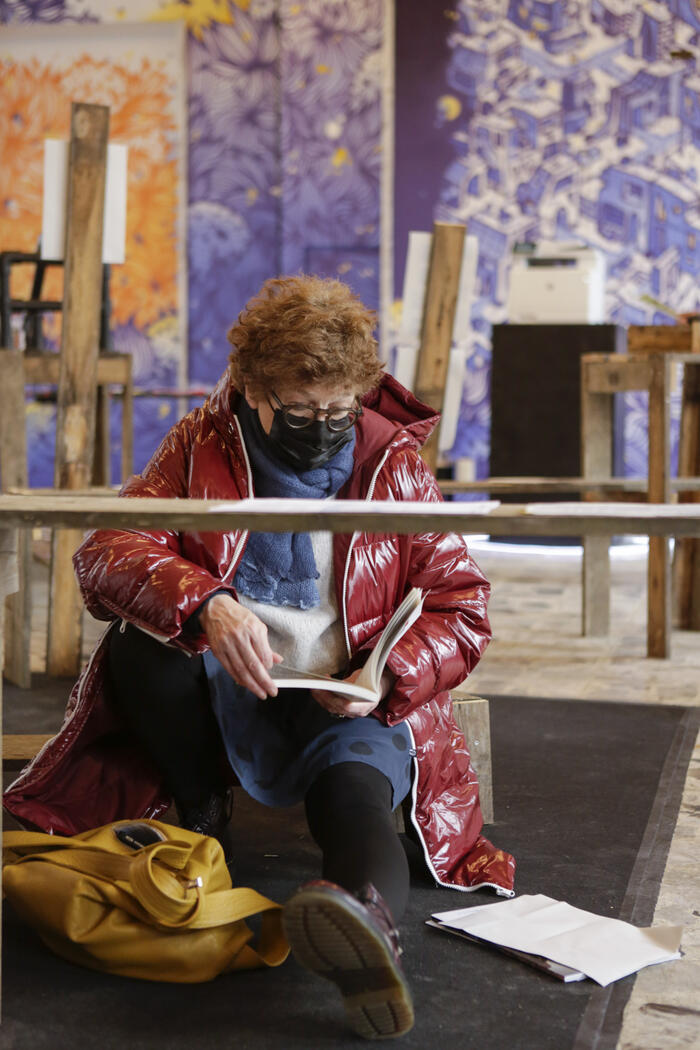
(140, 899)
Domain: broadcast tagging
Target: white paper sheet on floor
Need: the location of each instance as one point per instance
(605, 949)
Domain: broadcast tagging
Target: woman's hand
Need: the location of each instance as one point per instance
(238, 639)
(349, 706)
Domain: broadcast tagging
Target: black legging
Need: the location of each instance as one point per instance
(163, 695)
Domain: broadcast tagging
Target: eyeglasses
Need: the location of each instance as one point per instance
(336, 419)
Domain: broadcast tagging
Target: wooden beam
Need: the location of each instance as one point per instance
(438, 321)
(610, 486)
(77, 380)
(44, 368)
(659, 338)
(13, 472)
(64, 510)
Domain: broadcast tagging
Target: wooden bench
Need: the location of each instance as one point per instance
(471, 715)
(19, 748)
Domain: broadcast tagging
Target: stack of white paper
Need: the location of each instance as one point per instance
(604, 949)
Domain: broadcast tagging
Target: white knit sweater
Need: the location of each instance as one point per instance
(308, 639)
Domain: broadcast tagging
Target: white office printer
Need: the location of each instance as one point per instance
(554, 283)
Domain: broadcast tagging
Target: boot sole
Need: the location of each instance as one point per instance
(328, 938)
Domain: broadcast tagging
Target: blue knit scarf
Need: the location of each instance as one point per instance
(278, 568)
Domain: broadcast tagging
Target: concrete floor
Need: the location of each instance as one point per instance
(537, 650)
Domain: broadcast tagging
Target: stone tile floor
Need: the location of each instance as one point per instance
(537, 650)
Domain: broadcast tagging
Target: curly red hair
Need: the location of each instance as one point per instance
(303, 330)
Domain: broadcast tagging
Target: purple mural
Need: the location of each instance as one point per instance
(566, 120)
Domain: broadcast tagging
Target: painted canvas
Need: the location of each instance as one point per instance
(138, 71)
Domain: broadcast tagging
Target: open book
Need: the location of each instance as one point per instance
(367, 685)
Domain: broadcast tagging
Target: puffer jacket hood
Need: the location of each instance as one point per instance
(390, 411)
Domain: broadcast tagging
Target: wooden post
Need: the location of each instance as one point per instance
(128, 423)
(9, 582)
(75, 418)
(13, 474)
(438, 322)
(596, 459)
(686, 558)
(659, 579)
(101, 460)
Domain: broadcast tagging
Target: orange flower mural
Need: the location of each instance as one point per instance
(34, 105)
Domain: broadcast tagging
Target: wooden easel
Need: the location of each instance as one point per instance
(77, 381)
(77, 372)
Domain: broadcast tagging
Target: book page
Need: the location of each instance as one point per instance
(291, 678)
(405, 616)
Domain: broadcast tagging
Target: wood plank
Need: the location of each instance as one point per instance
(614, 373)
(77, 380)
(63, 652)
(596, 461)
(43, 369)
(472, 717)
(525, 484)
(101, 465)
(276, 515)
(13, 472)
(9, 577)
(22, 747)
(438, 321)
(609, 486)
(659, 565)
(127, 465)
(659, 338)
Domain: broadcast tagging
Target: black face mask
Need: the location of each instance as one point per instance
(307, 448)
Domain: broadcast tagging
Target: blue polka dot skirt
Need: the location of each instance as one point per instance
(278, 747)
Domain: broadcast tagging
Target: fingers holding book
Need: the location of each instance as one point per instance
(341, 706)
(238, 639)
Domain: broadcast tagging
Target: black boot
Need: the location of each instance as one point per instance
(211, 817)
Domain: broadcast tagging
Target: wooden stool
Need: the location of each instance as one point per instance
(603, 376)
(472, 717)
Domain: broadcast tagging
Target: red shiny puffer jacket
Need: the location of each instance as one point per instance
(91, 773)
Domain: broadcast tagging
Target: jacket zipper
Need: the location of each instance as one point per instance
(370, 492)
(244, 534)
